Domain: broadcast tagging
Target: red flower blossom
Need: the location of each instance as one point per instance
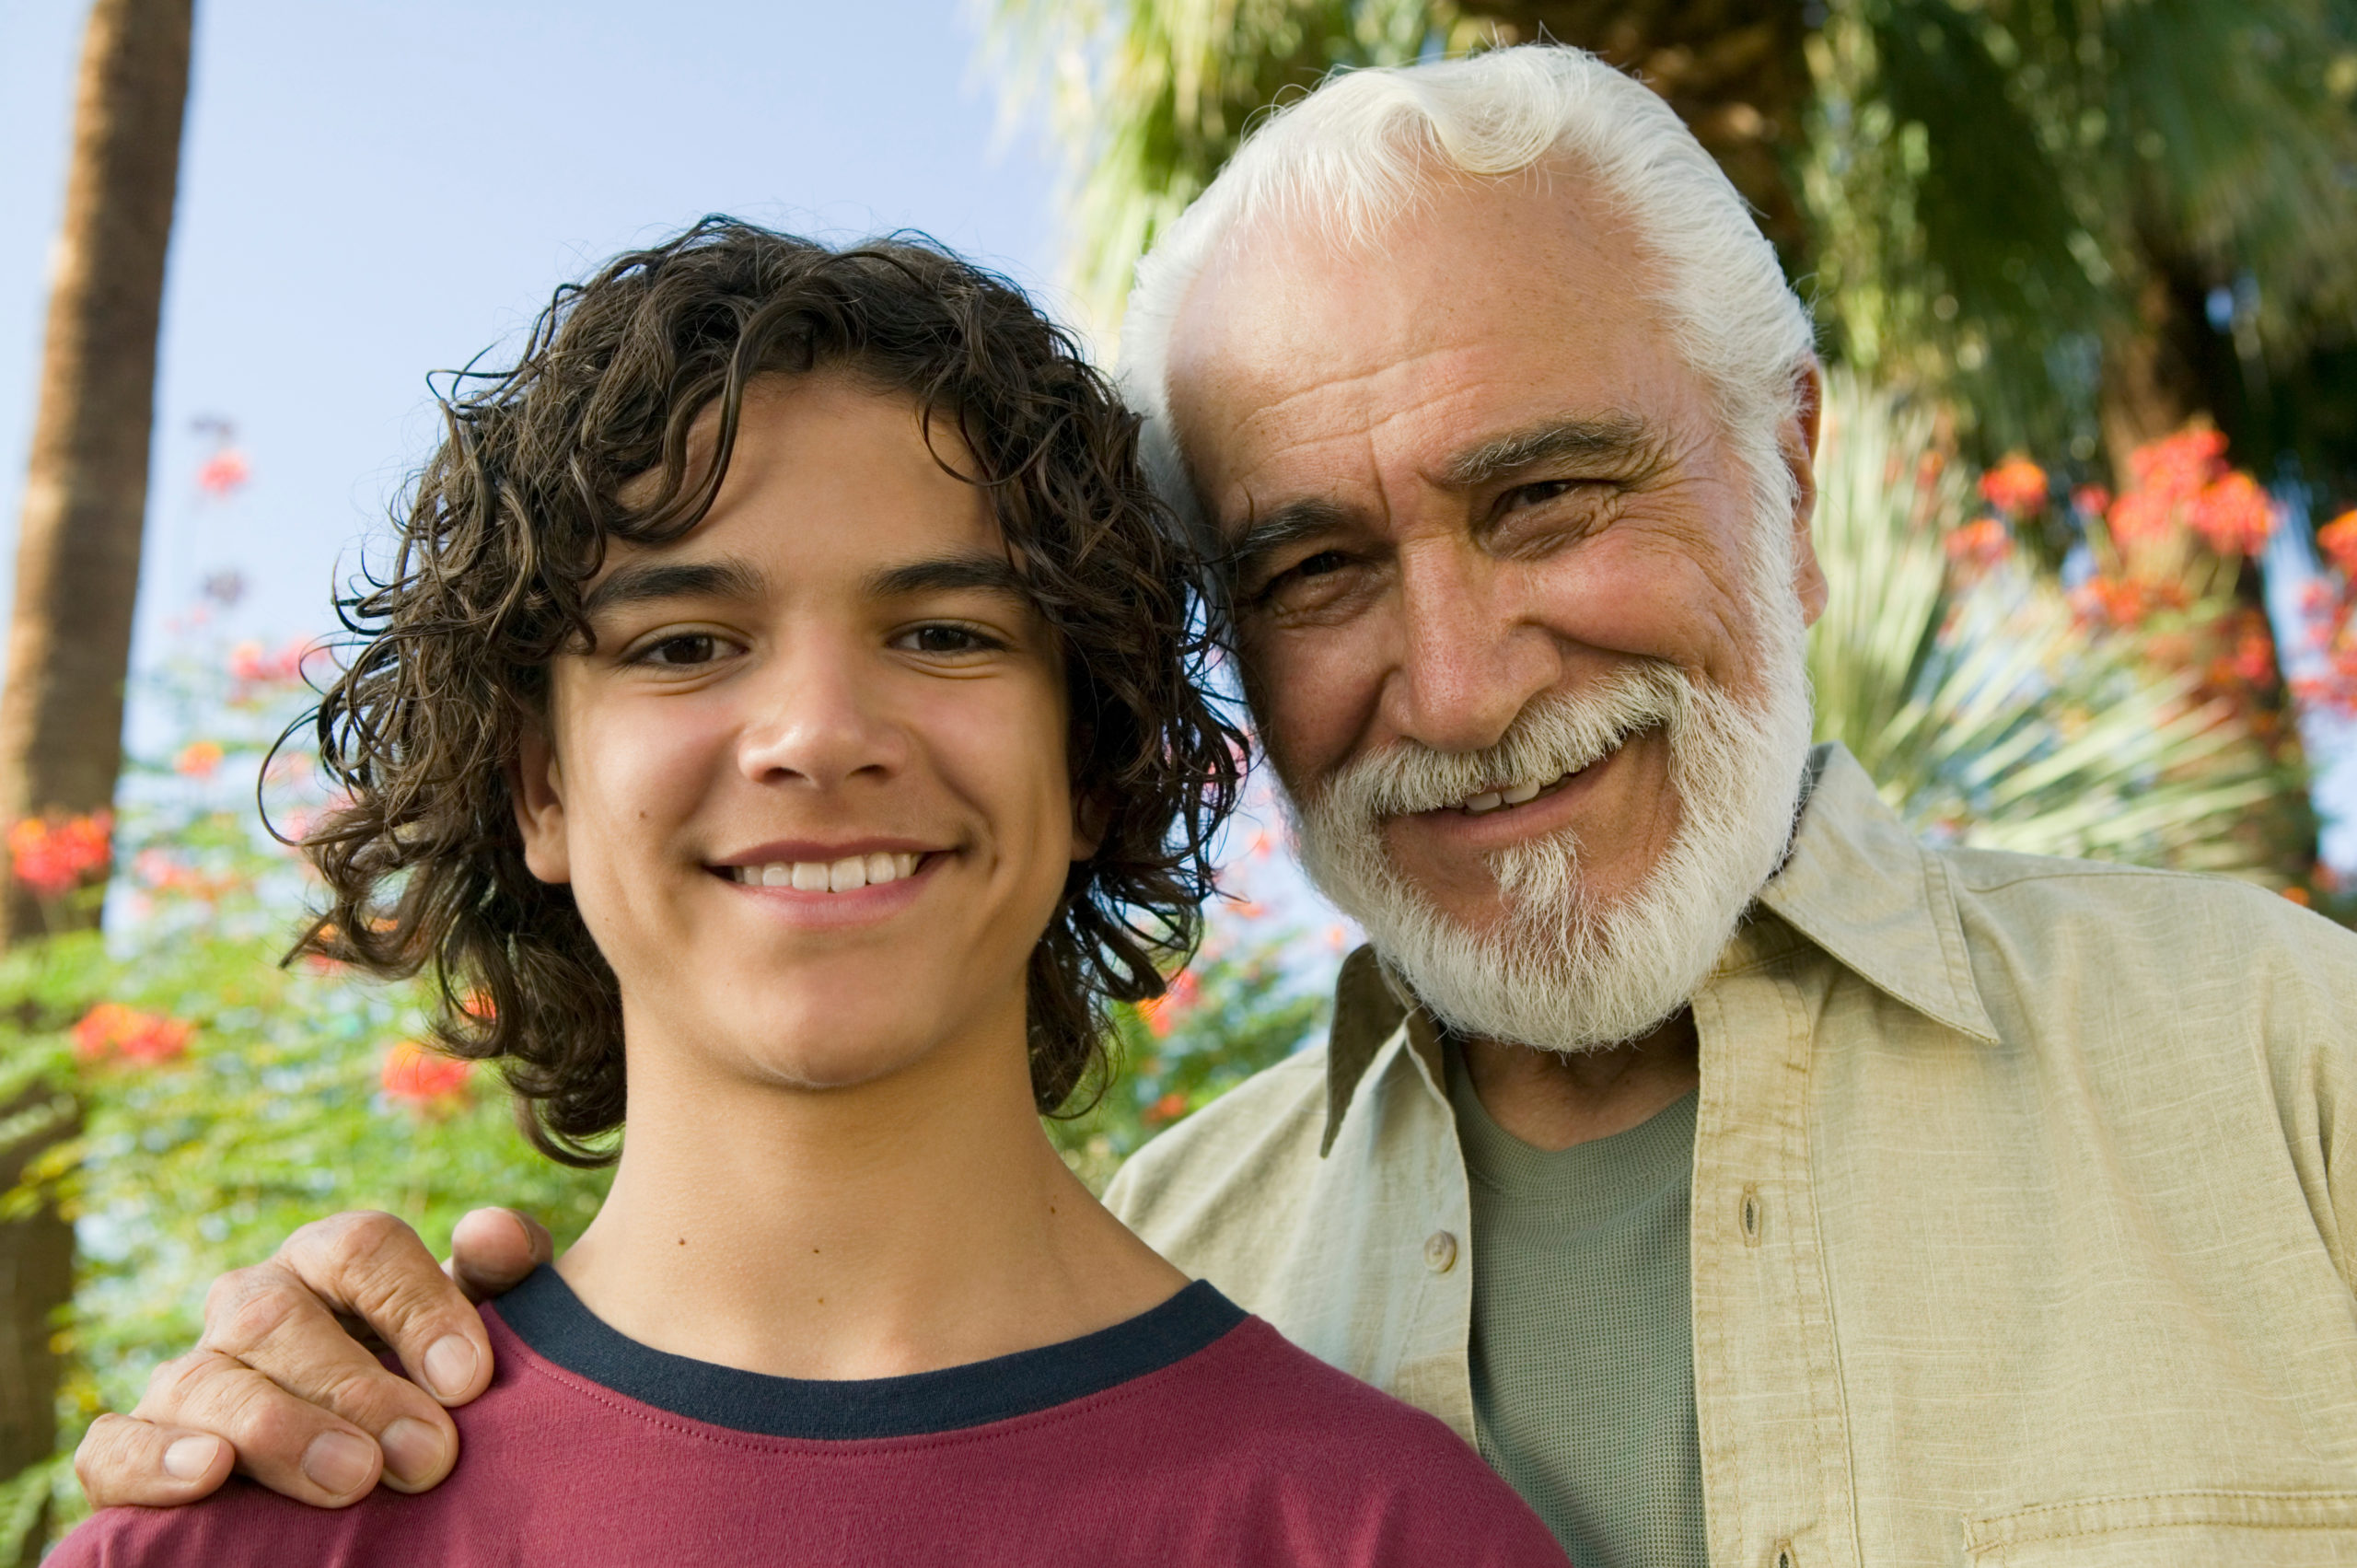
(1169, 1108)
(1979, 545)
(2016, 487)
(113, 1029)
(2092, 499)
(2233, 516)
(223, 473)
(424, 1078)
(52, 855)
(2338, 538)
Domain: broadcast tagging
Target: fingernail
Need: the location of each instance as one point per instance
(449, 1366)
(412, 1451)
(189, 1458)
(337, 1462)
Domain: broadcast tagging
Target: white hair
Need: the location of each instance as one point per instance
(1355, 155)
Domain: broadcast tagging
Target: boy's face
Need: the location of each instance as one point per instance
(809, 788)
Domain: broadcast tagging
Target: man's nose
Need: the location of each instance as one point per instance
(1470, 659)
(819, 717)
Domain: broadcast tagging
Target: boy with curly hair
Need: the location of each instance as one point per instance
(786, 707)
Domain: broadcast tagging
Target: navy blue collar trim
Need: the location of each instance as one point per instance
(547, 1315)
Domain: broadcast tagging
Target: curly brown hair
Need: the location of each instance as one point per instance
(510, 518)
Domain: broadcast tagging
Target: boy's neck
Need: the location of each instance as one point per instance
(918, 1222)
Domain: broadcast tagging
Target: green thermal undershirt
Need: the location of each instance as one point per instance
(1583, 1335)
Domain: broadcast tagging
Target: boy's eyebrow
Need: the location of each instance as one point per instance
(950, 574)
(650, 580)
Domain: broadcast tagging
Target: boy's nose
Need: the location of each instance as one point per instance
(818, 720)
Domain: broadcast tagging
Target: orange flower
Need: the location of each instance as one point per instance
(1169, 1108)
(422, 1078)
(113, 1029)
(2016, 487)
(2234, 516)
(1161, 1014)
(2338, 538)
(52, 855)
(197, 760)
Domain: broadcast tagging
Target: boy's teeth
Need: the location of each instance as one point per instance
(844, 875)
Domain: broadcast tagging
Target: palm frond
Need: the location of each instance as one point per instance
(1987, 715)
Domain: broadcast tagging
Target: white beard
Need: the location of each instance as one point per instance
(1561, 970)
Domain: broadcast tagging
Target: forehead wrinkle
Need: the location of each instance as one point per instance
(1611, 438)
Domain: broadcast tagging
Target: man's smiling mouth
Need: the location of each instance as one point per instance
(1524, 793)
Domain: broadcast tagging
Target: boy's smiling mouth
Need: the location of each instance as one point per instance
(844, 876)
(806, 867)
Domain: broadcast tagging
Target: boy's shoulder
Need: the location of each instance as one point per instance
(1194, 1435)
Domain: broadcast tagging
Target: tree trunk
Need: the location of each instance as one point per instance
(36, 1278)
(1733, 69)
(77, 576)
(86, 492)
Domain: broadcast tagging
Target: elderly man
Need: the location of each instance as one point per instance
(1754, 1185)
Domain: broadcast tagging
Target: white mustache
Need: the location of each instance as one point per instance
(1558, 733)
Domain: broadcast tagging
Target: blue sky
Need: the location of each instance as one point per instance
(374, 189)
(371, 190)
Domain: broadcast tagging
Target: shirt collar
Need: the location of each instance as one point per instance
(1856, 884)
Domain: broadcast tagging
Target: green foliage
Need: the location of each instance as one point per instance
(201, 1157)
(1986, 712)
(1231, 1013)
(1996, 186)
(1153, 96)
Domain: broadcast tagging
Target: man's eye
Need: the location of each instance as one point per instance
(1534, 494)
(686, 650)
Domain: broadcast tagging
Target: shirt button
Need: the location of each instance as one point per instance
(1440, 1252)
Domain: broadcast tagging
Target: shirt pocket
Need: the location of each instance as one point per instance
(2173, 1530)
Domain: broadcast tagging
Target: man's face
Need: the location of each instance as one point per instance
(1466, 476)
(809, 786)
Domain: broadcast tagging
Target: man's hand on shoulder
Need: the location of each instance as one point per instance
(280, 1385)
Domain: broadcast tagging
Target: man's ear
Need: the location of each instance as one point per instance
(536, 788)
(1798, 442)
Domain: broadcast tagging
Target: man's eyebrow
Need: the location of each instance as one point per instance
(646, 582)
(1263, 536)
(1615, 438)
(962, 572)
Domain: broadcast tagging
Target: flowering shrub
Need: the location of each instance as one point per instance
(2330, 609)
(111, 1029)
(422, 1079)
(53, 855)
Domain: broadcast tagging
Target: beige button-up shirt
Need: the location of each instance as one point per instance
(2025, 1211)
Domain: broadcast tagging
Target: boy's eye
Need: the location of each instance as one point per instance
(945, 639)
(687, 649)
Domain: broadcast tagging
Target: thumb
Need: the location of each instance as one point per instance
(493, 1249)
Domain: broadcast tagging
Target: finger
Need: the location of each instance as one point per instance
(374, 1267)
(290, 1446)
(124, 1461)
(493, 1249)
(265, 1319)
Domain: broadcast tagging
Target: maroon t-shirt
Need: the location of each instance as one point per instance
(1192, 1436)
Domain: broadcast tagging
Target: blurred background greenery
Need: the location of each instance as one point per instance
(2086, 281)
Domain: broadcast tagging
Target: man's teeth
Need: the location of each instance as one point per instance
(1513, 795)
(842, 875)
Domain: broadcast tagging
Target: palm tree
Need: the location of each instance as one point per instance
(77, 574)
(2030, 205)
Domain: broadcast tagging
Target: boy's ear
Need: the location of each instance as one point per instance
(537, 788)
(1092, 817)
